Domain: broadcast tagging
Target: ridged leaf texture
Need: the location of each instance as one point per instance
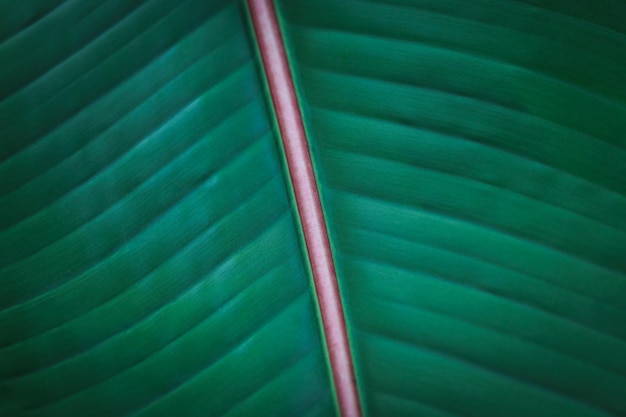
(471, 162)
(151, 265)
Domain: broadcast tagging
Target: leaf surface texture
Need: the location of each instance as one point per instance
(471, 159)
(150, 262)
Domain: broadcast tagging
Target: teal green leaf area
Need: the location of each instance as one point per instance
(472, 164)
(150, 262)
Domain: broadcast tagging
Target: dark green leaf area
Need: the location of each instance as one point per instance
(472, 158)
(150, 262)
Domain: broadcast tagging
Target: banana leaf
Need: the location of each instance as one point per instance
(470, 159)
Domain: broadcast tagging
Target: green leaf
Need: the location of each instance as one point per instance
(471, 157)
(150, 263)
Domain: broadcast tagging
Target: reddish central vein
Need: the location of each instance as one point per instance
(308, 202)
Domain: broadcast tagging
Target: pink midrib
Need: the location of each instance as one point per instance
(295, 143)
